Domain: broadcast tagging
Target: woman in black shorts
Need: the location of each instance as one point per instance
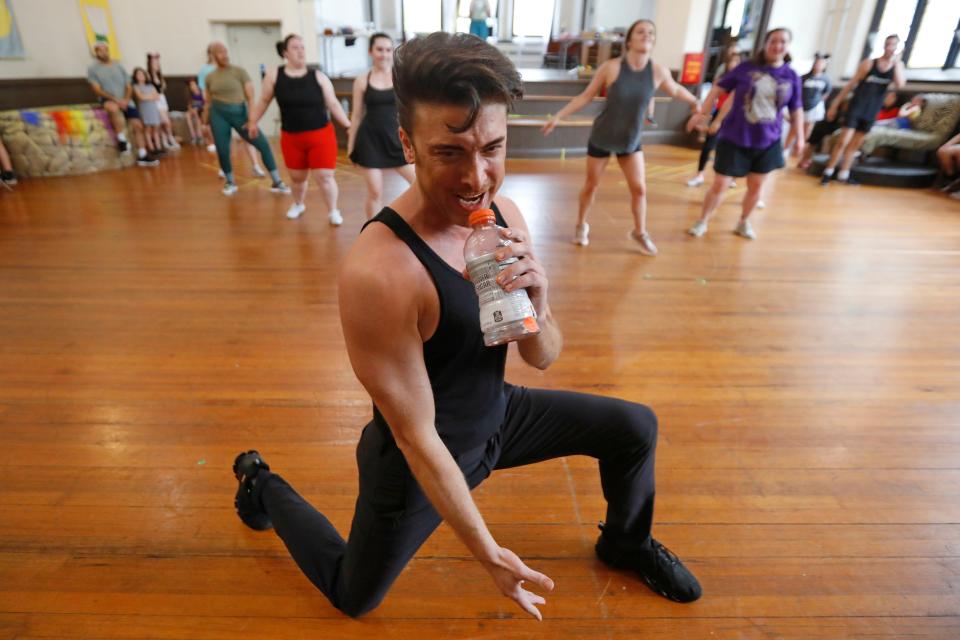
(749, 141)
(630, 82)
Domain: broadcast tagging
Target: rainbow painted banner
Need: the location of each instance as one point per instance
(71, 124)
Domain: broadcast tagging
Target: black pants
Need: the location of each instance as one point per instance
(393, 517)
(709, 144)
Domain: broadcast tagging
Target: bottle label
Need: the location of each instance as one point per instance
(497, 307)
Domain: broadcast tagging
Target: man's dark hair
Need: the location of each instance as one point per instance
(456, 69)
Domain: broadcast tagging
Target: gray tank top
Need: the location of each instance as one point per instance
(619, 126)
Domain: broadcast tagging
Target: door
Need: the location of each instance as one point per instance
(254, 47)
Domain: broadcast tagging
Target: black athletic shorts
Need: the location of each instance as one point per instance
(130, 113)
(858, 122)
(597, 152)
(735, 161)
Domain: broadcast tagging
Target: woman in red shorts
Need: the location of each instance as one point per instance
(306, 133)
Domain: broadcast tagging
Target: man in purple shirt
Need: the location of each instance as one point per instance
(749, 138)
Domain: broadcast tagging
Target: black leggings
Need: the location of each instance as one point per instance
(393, 517)
(708, 147)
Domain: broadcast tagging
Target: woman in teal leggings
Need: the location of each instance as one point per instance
(228, 92)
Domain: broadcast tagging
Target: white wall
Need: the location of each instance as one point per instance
(681, 28)
(56, 47)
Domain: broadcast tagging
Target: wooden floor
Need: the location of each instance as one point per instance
(807, 384)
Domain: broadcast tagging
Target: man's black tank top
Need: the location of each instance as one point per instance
(466, 377)
(302, 107)
(868, 96)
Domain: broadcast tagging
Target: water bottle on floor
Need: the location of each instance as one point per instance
(504, 316)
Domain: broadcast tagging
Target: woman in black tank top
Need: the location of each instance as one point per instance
(307, 138)
(374, 143)
(868, 84)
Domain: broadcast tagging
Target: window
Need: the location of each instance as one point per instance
(533, 18)
(935, 35)
(897, 17)
(463, 14)
(421, 16)
(928, 29)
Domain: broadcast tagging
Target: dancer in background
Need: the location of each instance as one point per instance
(731, 60)
(749, 141)
(816, 89)
(869, 86)
(630, 81)
(374, 142)
(229, 98)
(307, 138)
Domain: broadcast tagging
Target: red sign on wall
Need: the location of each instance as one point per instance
(692, 68)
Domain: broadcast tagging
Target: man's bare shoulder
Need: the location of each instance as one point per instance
(379, 263)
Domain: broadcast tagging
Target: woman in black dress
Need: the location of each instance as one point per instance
(374, 143)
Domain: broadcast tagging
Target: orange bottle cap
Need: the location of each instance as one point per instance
(480, 216)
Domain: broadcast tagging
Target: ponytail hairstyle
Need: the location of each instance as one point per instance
(760, 59)
(282, 45)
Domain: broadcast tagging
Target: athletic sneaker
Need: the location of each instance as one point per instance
(212, 148)
(229, 189)
(825, 179)
(148, 161)
(295, 210)
(335, 218)
(695, 181)
(761, 204)
(279, 187)
(122, 146)
(698, 229)
(247, 467)
(658, 567)
(745, 230)
(853, 182)
(221, 174)
(581, 235)
(955, 195)
(644, 243)
(259, 172)
(8, 178)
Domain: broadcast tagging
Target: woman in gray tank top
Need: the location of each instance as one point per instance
(630, 82)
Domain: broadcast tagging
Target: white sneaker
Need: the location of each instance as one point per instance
(259, 172)
(761, 204)
(695, 181)
(212, 148)
(733, 184)
(698, 229)
(335, 218)
(295, 210)
(221, 174)
(581, 235)
(745, 230)
(644, 243)
(279, 187)
(229, 189)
